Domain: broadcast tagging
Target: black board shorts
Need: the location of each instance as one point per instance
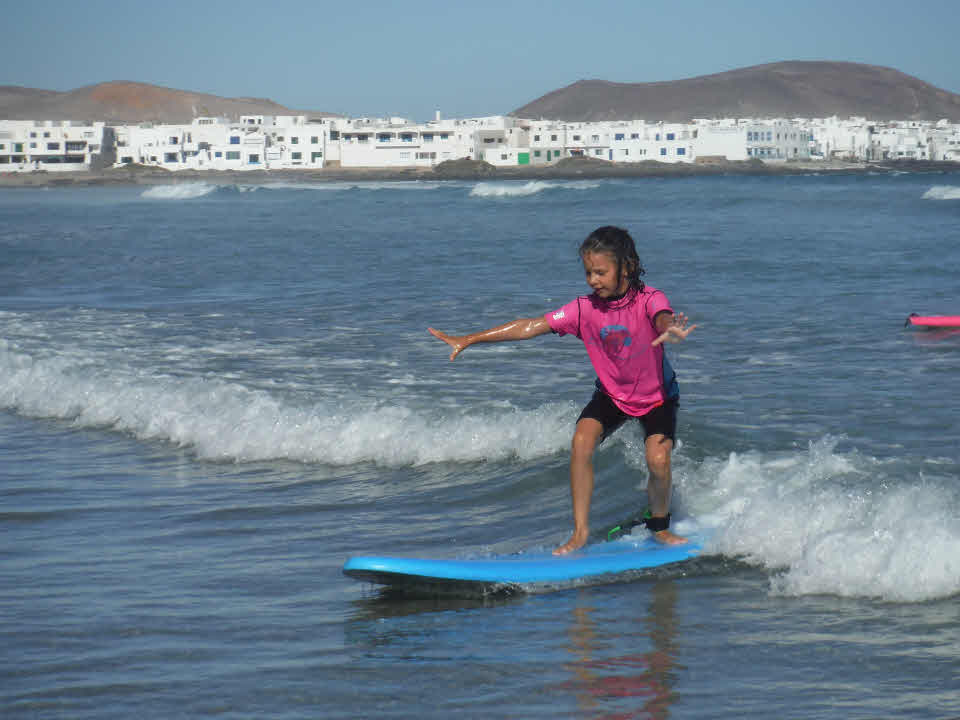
(662, 420)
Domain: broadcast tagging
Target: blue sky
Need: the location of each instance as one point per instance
(461, 58)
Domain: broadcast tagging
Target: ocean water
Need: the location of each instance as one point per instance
(212, 395)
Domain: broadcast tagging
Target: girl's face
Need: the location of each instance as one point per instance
(602, 276)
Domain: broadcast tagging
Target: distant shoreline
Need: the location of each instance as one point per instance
(574, 169)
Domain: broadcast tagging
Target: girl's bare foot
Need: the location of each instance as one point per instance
(576, 541)
(668, 538)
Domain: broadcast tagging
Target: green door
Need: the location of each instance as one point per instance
(523, 158)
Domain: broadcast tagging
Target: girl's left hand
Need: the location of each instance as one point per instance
(676, 331)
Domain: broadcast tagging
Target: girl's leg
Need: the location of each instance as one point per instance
(659, 486)
(585, 439)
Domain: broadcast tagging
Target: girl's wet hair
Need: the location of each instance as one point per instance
(618, 243)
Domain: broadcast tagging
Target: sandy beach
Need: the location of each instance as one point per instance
(572, 168)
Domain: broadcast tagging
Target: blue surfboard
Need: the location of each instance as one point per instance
(522, 572)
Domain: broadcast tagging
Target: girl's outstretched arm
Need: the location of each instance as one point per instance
(672, 328)
(520, 329)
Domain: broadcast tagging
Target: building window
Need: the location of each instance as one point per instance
(671, 136)
(233, 154)
(170, 157)
(553, 138)
(296, 156)
(619, 136)
(663, 151)
(294, 140)
(53, 146)
(384, 137)
(314, 140)
(234, 139)
(253, 159)
(428, 137)
(681, 151)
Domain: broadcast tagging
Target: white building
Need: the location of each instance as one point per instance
(836, 139)
(295, 141)
(54, 145)
(397, 142)
(302, 142)
(945, 142)
(205, 144)
(901, 141)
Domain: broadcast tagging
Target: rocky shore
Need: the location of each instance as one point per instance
(568, 169)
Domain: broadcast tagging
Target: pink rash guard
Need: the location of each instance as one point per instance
(617, 335)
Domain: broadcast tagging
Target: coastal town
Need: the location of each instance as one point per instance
(292, 142)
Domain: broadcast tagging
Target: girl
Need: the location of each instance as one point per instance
(623, 324)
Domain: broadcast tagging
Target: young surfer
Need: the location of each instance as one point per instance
(623, 324)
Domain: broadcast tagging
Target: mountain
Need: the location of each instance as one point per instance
(128, 102)
(784, 89)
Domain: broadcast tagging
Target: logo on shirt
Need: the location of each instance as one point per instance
(615, 338)
(558, 315)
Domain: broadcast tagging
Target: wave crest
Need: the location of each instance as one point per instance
(942, 192)
(533, 187)
(180, 191)
(223, 420)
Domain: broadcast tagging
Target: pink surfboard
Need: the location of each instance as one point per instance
(934, 321)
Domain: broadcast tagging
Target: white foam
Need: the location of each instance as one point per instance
(514, 189)
(825, 522)
(942, 192)
(227, 420)
(182, 191)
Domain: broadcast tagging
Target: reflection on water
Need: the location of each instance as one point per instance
(628, 686)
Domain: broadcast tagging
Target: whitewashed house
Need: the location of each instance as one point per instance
(901, 141)
(397, 142)
(547, 141)
(776, 140)
(205, 144)
(836, 139)
(725, 138)
(296, 141)
(54, 145)
(945, 142)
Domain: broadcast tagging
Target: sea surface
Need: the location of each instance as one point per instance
(212, 395)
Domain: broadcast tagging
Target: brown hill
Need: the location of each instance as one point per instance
(785, 89)
(128, 102)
